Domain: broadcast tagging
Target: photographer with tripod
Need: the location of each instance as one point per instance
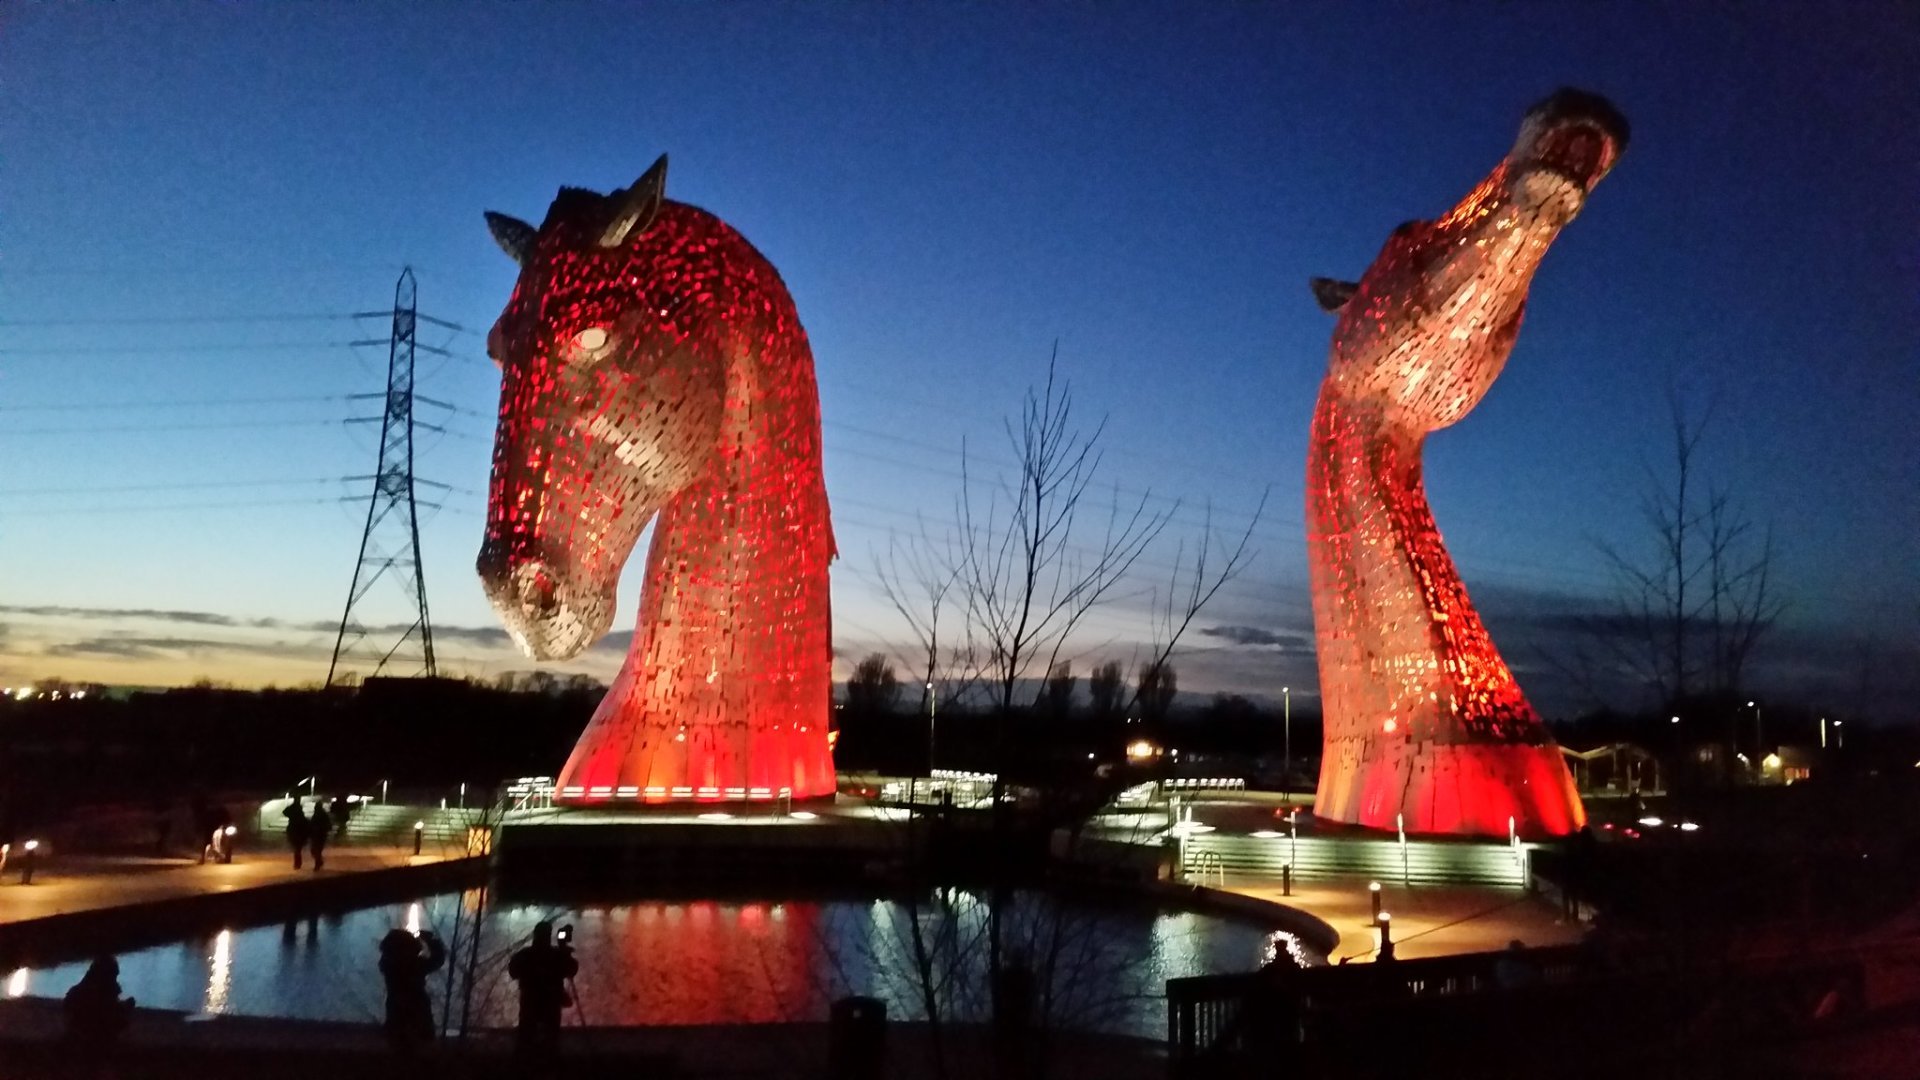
(544, 970)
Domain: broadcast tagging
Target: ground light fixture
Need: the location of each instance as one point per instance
(802, 815)
(1373, 889)
(419, 831)
(1688, 826)
(1652, 822)
(716, 816)
(1266, 834)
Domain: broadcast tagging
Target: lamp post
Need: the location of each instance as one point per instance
(1373, 888)
(1286, 769)
(26, 867)
(1823, 733)
(1759, 731)
(1839, 735)
(933, 716)
(419, 830)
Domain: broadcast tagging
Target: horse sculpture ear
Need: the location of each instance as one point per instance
(1332, 295)
(635, 208)
(514, 236)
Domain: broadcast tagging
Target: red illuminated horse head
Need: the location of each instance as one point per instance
(1425, 724)
(653, 366)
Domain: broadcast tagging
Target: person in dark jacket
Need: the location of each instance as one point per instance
(96, 1013)
(297, 826)
(340, 810)
(405, 968)
(542, 969)
(319, 828)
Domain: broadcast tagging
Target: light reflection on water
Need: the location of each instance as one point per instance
(697, 961)
(219, 973)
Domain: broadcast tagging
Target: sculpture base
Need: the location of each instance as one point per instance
(1466, 789)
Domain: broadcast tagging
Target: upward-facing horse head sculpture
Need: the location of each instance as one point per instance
(1425, 725)
(653, 366)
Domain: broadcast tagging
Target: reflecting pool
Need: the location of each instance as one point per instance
(700, 961)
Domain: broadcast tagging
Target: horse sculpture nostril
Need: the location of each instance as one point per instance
(538, 593)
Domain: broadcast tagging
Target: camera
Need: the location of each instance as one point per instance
(564, 935)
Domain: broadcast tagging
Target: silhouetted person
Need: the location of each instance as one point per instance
(1580, 856)
(405, 968)
(96, 1013)
(1515, 969)
(297, 826)
(212, 822)
(341, 810)
(222, 840)
(319, 828)
(542, 970)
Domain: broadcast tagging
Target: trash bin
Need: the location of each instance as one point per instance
(857, 1039)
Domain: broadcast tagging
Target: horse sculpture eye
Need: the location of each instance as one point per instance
(592, 339)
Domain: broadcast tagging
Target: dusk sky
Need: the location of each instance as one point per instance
(193, 199)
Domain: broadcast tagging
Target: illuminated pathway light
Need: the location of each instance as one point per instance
(1422, 716)
(653, 369)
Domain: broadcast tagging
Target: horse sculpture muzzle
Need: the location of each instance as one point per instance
(548, 611)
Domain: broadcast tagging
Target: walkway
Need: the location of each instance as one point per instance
(1428, 920)
(70, 884)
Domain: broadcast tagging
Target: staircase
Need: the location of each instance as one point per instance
(1419, 862)
(390, 824)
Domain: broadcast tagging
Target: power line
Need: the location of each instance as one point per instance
(130, 350)
(191, 320)
(237, 425)
(173, 403)
(186, 486)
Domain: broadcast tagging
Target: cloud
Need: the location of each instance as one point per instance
(131, 647)
(193, 618)
(115, 648)
(1285, 641)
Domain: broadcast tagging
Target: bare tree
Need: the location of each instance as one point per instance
(1690, 607)
(1189, 591)
(1155, 684)
(1027, 579)
(873, 689)
(1056, 696)
(918, 578)
(1104, 688)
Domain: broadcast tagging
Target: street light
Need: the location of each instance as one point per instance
(1759, 730)
(1286, 769)
(1839, 735)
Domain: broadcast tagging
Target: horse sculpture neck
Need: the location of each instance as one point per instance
(725, 693)
(1425, 726)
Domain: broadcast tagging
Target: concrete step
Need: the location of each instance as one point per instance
(1419, 862)
(389, 823)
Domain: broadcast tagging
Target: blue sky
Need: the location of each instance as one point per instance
(947, 191)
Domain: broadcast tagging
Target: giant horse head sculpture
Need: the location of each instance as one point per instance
(1425, 725)
(653, 370)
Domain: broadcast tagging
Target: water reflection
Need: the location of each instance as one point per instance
(219, 974)
(705, 961)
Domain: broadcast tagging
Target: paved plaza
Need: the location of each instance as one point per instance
(66, 885)
(1428, 920)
